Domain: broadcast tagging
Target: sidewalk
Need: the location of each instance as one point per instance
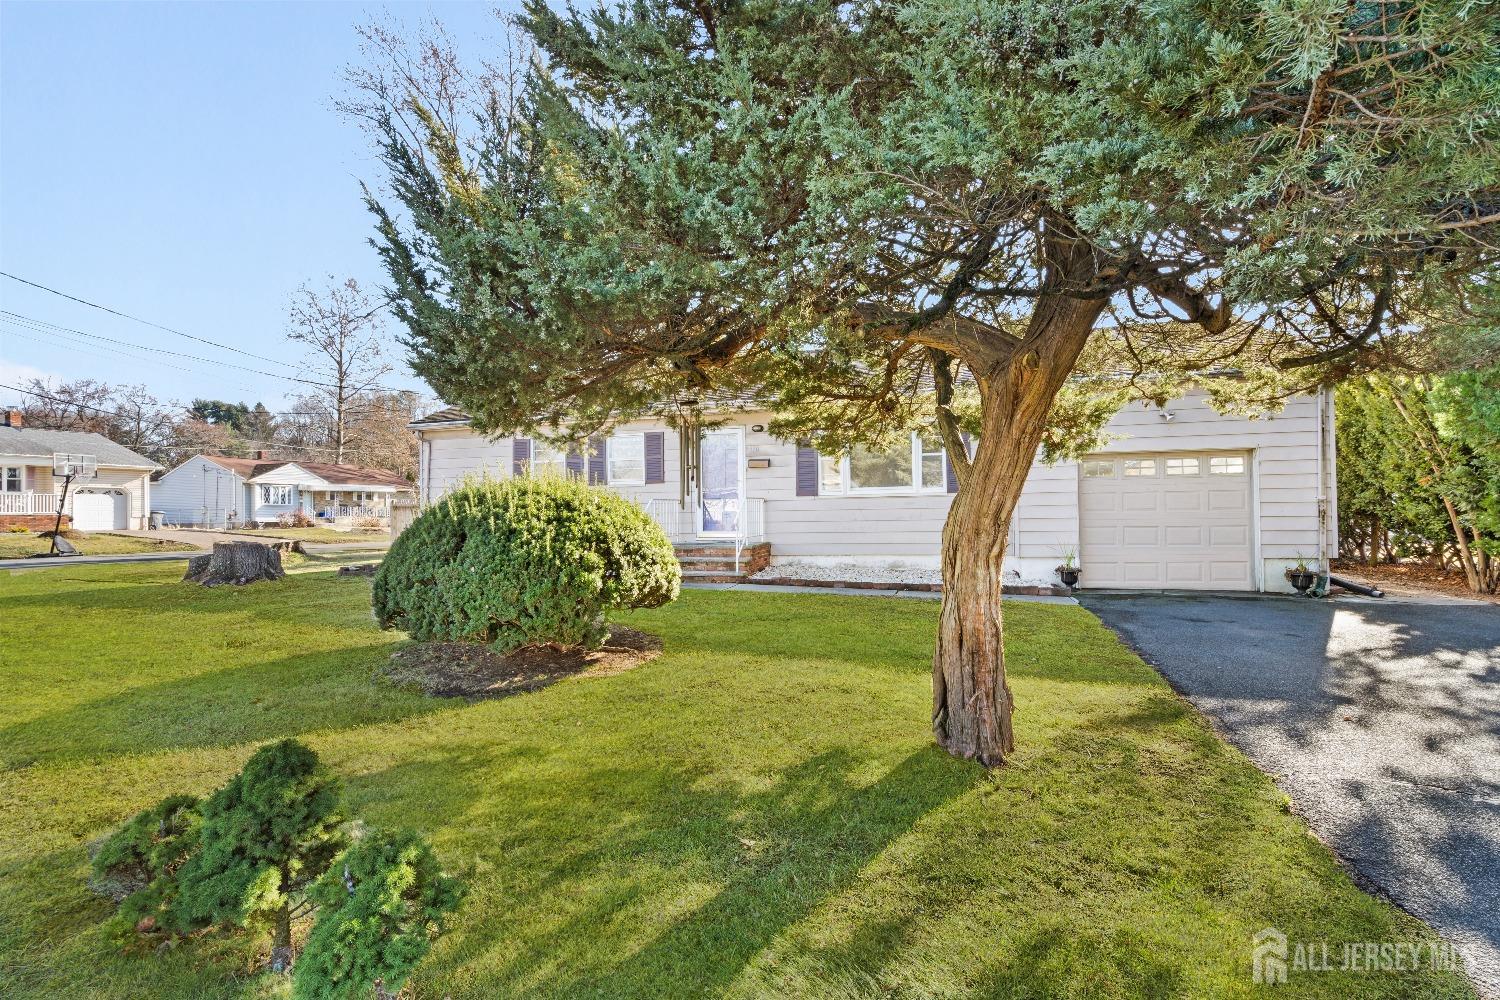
(919, 595)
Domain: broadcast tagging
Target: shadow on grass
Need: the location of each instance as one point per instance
(691, 883)
(249, 703)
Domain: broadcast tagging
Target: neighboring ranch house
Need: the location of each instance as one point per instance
(214, 491)
(1181, 498)
(117, 496)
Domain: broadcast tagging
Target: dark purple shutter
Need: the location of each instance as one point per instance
(656, 462)
(948, 466)
(520, 455)
(596, 461)
(807, 470)
(574, 462)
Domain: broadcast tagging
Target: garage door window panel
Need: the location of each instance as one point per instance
(1184, 467)
(1139, 467)
(1226, 465)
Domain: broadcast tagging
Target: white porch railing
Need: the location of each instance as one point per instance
(357, 510)
(28, 503)
(685, 524)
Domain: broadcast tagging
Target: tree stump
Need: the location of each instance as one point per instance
(238, 563)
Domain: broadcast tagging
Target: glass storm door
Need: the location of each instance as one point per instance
(721, 479)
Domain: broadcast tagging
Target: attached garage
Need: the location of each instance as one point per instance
(1166, 521)
(100, 510)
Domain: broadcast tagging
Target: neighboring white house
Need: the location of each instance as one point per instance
(117, 496)
(1182, 498)
(214, 491)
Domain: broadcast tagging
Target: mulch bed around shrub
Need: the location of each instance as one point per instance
(474, 671)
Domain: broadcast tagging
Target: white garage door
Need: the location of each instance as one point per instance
(98, 510)
(1169, 521)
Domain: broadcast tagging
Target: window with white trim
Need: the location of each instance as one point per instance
(917, 464)
(1098, 468)
(830, 474)
(545, 459)
(1140, 467)
(626, 456)
(1184, 466)
(276, 496)
(931, 464)
(1226, 465)
(14, 480)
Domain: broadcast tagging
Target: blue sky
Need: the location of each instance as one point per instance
(183, 163)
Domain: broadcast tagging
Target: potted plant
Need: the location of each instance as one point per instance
(1069, 569)
(1302, 577)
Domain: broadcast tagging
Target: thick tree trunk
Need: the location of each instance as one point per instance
(971, 701)
(236, 563)
(281, 941)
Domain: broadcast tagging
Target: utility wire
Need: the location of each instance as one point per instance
(179, 333)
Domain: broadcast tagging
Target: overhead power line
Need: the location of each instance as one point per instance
(180, 333)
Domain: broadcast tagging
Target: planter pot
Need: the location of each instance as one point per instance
(1301, 581)
(1069, 575)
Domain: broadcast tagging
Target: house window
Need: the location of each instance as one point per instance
(830, 474)
(276, 496)
(626, 454)
(1184, 467)
(546, 459)
(885, 469)
(930, 466)
(917, 463)
(14, 481)
(1226, 465)
(1140, 467)
(1098, 468)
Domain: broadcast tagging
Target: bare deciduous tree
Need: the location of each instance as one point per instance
(343, 329)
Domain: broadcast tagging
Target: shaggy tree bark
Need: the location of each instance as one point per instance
(237, 563)
(971, 701)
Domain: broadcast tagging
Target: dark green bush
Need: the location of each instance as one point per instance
(379, 907)
(265, 837)
(152, 843)
(527, 560)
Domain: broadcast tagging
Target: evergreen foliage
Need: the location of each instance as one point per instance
(526, 560)
(1419, 470)
(266, 835)
(379, 907)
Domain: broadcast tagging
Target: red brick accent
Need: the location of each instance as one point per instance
(36, 522)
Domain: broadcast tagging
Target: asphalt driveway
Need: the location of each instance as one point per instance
(1381, 720)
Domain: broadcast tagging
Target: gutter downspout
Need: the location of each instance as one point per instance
(1323, 465)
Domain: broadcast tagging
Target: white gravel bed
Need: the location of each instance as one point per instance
(850, 572)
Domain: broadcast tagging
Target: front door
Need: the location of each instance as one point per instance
(721, 477)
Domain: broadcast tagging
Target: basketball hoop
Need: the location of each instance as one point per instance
(75, 467)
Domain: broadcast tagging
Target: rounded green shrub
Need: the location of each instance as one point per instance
(534, 559)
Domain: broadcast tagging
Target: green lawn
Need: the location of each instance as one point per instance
(757, 813)
(318, 534)
(14, 545)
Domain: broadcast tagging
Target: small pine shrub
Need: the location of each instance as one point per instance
(524, 561)
(266, 835)
(151, 844)
(379, 907)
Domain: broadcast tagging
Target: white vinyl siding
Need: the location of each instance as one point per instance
(1282, 464)
(200, 492)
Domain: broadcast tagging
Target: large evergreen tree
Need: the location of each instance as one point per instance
(852, 208)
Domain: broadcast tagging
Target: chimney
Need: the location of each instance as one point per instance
(262, 455)
(13, 418)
